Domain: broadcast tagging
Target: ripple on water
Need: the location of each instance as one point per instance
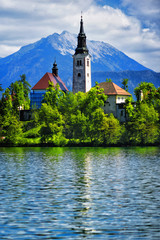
(76, 193)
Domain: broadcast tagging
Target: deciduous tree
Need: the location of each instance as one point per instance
(51, 125)
(148, 90)
(143, 126)
(125, 84)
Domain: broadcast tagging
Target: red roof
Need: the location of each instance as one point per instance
(42, 84)
(111, 88)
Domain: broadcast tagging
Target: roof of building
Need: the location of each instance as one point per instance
(42, 84)
(111, 88)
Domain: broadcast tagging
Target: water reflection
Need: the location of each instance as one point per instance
(79, 193)
(83, 200)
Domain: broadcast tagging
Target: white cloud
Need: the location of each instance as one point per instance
(147, 11)
(8, 49)
(23, 22)
(124, 32)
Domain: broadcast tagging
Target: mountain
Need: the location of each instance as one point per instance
(36, 59)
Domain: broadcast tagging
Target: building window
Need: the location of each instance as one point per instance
(87, 74)
(79, 75)
(79, 62)
(87, 62)
(122, 113)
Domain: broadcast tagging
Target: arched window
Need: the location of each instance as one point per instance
(79, 75)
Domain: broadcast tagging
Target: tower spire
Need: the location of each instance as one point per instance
(81, 63)
(55, 68)
(81, 25)
(81, 46)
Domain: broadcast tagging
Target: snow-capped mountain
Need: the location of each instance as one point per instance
(36, 59)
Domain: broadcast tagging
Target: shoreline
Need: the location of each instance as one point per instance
(80, 145)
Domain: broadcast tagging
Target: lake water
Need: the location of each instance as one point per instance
(79, 193)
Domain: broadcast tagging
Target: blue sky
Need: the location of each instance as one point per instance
(132, 26)
(111, 3)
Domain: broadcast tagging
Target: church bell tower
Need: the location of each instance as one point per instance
(81, 64)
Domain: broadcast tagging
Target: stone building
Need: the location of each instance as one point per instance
(116, 100)
(81, 64)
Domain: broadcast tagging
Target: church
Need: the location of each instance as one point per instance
(81, 73)
(82, 81)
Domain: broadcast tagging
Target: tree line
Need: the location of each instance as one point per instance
(67, 119)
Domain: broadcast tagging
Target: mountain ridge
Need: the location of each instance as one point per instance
(37, 58)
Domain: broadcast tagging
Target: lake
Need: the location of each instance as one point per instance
(80, 193)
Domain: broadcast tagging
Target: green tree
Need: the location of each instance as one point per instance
(18, 96)
(90, 105)
(94, 126)
(1, 89)
(26, 86)
(111, 130)
(156, 101)
(147, 89)
(6, 103)
(19, 91)
(92, 100)
(26, 90)
(108, 80)
(10, 126)
(125, 84)
(129, 106)
(68, 104)
(51, 125)
(76, 128)
(11, 129)
(79, 112)
(143, 126)
(52, 95)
